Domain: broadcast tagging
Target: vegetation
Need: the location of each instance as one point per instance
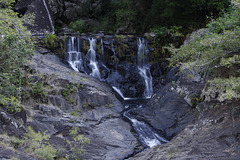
(69, 89)
(211, 50)
(77, 144)
(39, 91)
(16, 47)
(51, 41)
(142, 15)
(79, 25)
(37, 143)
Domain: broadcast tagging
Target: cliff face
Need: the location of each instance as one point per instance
(91, 106)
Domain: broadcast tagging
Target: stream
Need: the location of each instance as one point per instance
(92, 64)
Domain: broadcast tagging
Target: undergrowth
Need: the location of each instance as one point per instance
(212, 49)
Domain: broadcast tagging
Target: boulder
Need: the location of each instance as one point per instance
(43, 21)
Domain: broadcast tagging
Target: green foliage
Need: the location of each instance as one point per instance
(16, 47)
(37, 143)
(228, 88)
(69, 89)
(79, 25)
(109, 105)
(12, 104)
(206, 50)
(228, 62)
(77, 144)
(87, 104)
(228, 21)
(51, 41)
(39, 91)
(210, 50)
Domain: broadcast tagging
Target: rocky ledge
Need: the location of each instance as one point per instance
(91, 106)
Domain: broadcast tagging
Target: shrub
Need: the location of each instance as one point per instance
(69, 89)
(16, 47)
(39, 91)
(210, 51)
(78, 25)
(77, 144)
(51, 41)
(37, 143)
(12, 104)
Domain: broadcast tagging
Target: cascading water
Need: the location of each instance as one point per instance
(144, 67)
(146, 135)
(114, 56)
(73, 54)
(93, 61)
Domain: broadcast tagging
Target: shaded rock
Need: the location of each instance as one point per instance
(128, 80)
(11, 154)
(167, 111)
(10, 125)
(215, 135)
(43, 22)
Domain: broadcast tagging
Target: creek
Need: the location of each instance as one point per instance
(92, 64)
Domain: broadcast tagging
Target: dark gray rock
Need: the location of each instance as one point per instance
(214, 136)
(44, 21)
(10, 125)
(95, 111)
(167, 111)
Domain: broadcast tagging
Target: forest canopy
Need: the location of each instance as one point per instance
(143, 15)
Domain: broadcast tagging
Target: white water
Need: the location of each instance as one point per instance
(146, 135)
(93, 62)
(144, 67)
(114, 55)
(74, 56)
(49, 16)
(121, 94)
(102, 47)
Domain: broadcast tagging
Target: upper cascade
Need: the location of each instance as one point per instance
(73, 54)
(93, 61)
(144, 66)
(131, 81)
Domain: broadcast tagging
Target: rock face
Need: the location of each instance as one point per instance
(91, 106)
(98, 111)
(170, 109)
(43, 21)
(214, 135)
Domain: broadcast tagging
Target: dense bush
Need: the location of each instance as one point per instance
(15, 47)
(141, 15)
(211, 50)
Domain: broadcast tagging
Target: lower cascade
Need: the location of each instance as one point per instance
(146, 134)
(93, 65)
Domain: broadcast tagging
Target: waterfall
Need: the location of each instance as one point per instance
(49, 16)
(102, 48)
(73, 54)
(93, 61)
(114, 55)
(146, 135)
(144, 67)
